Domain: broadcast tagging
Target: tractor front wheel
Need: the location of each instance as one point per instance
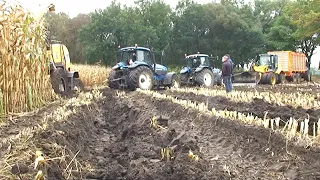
(78, 85)
(272, 79)
(184, 78)
(59, 81)
(175, 83)
(141, 77)
(205, 78)
(113, 84)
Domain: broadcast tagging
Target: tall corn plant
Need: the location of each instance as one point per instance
(24, 79)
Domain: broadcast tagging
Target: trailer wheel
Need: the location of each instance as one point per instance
(205, 78)
(307, 76)
(141, 77)
(280, 78)
(297, 78)
(113, 84)
(59, 81)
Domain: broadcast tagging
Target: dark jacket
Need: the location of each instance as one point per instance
(226, 68)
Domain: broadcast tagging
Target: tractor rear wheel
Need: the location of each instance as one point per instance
(204, 78)
(113, 84)
(141, 77)
(59, 81)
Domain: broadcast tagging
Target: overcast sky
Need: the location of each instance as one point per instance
(73, 8)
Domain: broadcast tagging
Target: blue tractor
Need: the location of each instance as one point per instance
(199, 71)
(136, 68)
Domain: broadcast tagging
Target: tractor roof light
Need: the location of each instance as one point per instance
(198, 52)
(136, 45)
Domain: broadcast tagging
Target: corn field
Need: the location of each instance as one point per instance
(24, 77)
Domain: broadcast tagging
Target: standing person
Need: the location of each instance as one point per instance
(227, 73)
(232, 65)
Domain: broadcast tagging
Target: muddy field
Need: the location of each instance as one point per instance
(257, 108)
(111, 138)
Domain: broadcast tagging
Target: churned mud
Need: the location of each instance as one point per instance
(112, 138)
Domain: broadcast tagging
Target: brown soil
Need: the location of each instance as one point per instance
(115, 141)
(258, 107)
(286, 88)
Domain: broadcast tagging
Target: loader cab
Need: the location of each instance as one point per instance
(59, 56)
(268, 60)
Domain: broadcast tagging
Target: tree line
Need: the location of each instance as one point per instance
(231, 26)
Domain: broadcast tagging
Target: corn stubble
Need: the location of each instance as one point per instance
(24, 78)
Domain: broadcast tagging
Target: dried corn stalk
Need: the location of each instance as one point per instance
(24, 78)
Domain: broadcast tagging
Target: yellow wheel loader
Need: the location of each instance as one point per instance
(63, 80)
(280, 66)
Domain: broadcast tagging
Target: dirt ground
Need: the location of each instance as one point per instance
(111, 138)
(257, 108)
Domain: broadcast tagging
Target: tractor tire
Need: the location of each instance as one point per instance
(113, 84)
(78, 85)
(289, 78)
(59, 81)
(140, 77)
(271, 79)
(281, 78)
(264, 78)
(184, 78)
(204, 78)
(219, 80)
(258, 78)
(175, 82)
(297, 78)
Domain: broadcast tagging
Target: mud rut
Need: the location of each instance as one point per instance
(116, 141)
(124, 146)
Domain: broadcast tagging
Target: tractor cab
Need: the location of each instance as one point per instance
(131, 57)
(197, 60)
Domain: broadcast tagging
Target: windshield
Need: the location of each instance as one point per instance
(264, 60)
(135, 55)
(195, 62)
